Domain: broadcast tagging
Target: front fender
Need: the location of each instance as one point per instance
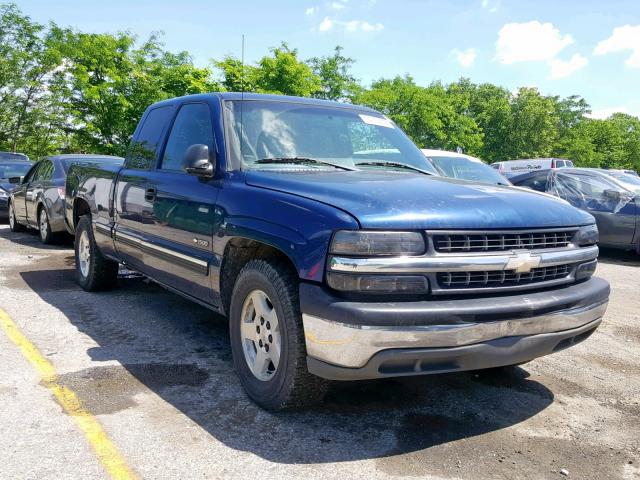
(299, 227)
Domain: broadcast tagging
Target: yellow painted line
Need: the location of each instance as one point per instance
(107, 453)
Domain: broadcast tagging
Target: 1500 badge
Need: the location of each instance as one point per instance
(201, 243)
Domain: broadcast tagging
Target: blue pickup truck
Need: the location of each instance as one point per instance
(332, 246)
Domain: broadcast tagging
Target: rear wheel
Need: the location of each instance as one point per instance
(94, 271)
(46, 235)
(267, 338)
(13, 222)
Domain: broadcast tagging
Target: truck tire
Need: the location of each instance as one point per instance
(14, 226)
(93, 270)
(44, 229)
(267, 338)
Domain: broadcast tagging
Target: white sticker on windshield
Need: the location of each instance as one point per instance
(379, 121)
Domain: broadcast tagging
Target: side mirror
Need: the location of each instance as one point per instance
(15, 180)
(196, 161)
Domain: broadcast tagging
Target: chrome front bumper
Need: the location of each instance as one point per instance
(353, 336)
(352, 346)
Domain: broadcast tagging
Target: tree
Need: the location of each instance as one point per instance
(336, 83)
(283, 73)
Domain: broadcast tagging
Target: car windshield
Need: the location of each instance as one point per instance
(467, 169)
(628, 181)
(14, 169)
(273, 135)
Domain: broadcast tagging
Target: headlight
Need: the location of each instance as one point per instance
(364, 243)
(587, 235)
(3, 194)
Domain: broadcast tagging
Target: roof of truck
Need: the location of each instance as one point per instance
(267, 97)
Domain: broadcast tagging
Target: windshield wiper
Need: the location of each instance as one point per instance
(301, 161)
(394, 164)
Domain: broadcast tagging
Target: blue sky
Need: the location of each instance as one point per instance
(563, 47)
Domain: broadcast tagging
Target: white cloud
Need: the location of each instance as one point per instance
(623, 38)
(564, 68)
(325, 25)
(465, 58)
(529, 42)
(362, 26)
(311, 10)
(336, 5)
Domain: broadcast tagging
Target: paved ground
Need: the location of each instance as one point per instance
(156, 372)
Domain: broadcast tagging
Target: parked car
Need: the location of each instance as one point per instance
(12, 165)
(626, 171)
(38, 200)
(464, 167)
(510, 168)
(614, 203)
(318, 230)
(13, 156)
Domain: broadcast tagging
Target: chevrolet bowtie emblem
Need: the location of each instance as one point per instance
(523, 262)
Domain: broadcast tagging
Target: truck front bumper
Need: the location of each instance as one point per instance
(349, 340)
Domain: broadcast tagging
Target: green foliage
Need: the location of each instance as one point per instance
(62, 90)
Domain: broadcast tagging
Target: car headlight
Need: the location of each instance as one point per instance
(373, 243)
(3, 194)
(587, 235)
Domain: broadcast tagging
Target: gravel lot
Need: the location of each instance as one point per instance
(156, 371)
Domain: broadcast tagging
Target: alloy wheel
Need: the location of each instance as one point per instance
(260, 333)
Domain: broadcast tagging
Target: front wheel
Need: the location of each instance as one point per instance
(13, 221)
(267, 338)
(94, 271)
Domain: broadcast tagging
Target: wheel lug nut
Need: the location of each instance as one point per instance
(270, 339)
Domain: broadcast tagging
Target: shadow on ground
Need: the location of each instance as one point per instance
(181, 352)
(618, 257)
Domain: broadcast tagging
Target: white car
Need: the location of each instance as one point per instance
(465, 167)
(511, 168)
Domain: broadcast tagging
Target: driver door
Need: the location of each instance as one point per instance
(20, 194)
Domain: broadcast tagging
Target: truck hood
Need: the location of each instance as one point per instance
(394, 200)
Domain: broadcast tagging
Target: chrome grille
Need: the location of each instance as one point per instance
(499, 241)
(501, 278)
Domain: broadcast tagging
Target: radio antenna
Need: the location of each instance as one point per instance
(242, 101)
(242, 70)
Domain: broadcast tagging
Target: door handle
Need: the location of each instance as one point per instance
(150, 194)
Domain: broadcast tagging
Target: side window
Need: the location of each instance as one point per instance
(535, 182)
(45, 172)
(192, 126)
(143, 149)
(31, 174)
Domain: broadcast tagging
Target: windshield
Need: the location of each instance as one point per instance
(628, 181)
(273, 132)
(467, 169)
(14, 169)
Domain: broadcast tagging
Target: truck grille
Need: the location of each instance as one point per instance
(501, 278)
(493, 242)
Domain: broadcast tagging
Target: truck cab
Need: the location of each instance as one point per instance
(333, 246)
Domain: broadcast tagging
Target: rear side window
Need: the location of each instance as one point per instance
(143, 149)
(535, 182)
(45, 171)
(192, 126)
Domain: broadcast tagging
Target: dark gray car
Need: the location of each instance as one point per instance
(38, 200)
(614, 203)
